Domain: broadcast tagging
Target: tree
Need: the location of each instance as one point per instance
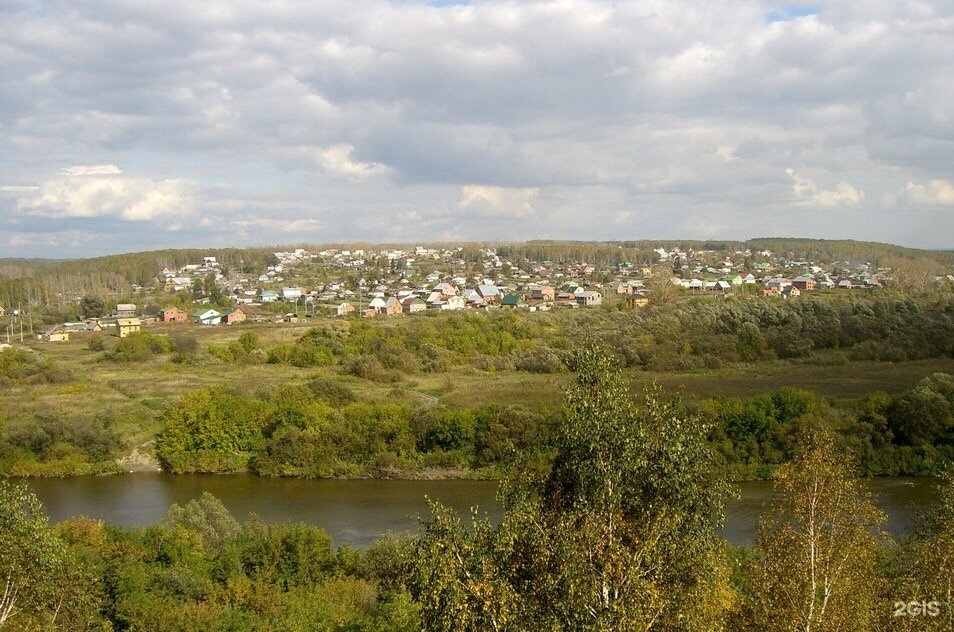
(37, 572)
(206, 516)
(91, 307)
(927, 564)
(815, 552)
(618, 534)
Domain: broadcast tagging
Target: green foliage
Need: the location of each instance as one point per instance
(20, 367)
(49, 443)
(91, 307)
(96, 342)
(618, 535)
(44, 585)
(926, 560)
(332, 392)
(816, 551)
(138, 346)
(207, 517)
(201, 570)
(211, 431)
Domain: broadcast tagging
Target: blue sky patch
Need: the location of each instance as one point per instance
(790, 13)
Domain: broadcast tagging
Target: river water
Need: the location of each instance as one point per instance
(356, 512)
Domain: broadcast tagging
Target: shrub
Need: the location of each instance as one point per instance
(138, 346)
(327, 389)
(539, 360)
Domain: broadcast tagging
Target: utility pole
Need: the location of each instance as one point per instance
(20, 318)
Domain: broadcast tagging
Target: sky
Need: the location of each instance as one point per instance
(129, 125)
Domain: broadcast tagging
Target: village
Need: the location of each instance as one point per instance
(387, 282)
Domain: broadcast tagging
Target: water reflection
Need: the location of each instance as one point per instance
(357, 512)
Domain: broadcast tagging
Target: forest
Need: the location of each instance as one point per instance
(615, 529)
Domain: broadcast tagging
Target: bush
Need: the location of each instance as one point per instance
(96, 342)
(539, 360)
(184, 344)
(369, 368)
(138, 346)
(18, 366)
(335, 394)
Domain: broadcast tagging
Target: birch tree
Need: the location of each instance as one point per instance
(816, 552)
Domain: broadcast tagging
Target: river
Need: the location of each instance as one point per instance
(356, 512)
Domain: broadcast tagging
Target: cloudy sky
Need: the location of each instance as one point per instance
(129, 125)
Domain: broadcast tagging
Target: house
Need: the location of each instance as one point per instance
(804, 282)
(454, 302)
(512, 301)
(542, 293)
(290, 318)
(391, 307)
(778, 283)
(125, 310)
(637, 300)
(445, 288)
(268, 297)
(173, 315)
(589, 298)
(234, 315)
(624, 289)
(377, 304)
(126, 326)
(207, 317)
(490, 293)
(291, 293)
(413, 304)
(342, 309)
(791, 291)
(93, 326)
(177, 284)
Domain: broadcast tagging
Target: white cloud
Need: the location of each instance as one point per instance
(287, 226)
(498, 201)
(337, 160)
(86, 192)
(935, 193)
(91, 170)
(352, 112)
(805, 189)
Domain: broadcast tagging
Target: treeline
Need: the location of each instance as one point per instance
(57, 285)
(706, 334)
(320, 430)
(669, 337)
(617, 529)
(845, 250)
(598, 254)
(911, 433)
